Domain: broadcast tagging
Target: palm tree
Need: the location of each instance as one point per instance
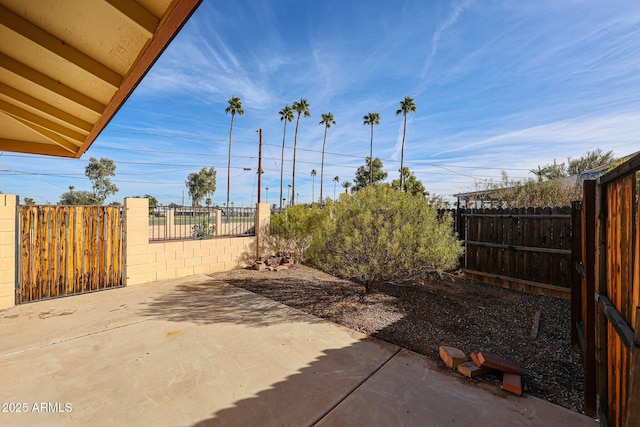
(346, 186)
(301, 107)
(235, 107)
(336, 180)
(406, 106)
(286, 115)
(371, 119)
(313, 185)
(327, 121)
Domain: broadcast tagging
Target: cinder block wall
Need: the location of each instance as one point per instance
(144, 261)
(149, 261)
(8, 206)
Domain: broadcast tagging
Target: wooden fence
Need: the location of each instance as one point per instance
(67, 250)
(524, 249)
(606, 316)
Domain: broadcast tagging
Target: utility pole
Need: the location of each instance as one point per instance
(259, 163)
(259, 176)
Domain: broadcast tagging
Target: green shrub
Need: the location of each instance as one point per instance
(292, 231)
(202, 230)
(380, 235)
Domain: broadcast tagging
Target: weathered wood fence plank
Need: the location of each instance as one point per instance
(531, 245)
(66, 250)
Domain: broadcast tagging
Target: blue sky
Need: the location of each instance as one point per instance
(498, 85)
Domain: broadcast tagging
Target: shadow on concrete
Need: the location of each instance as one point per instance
(215, 301)
(304, 398)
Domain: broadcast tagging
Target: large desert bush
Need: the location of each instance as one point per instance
(291, 231)
(381, 234)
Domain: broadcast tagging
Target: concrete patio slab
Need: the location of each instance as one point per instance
(411, 392)
(197, 351)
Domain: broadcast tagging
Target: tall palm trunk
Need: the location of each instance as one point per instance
(293, 178)
(404, 133)
(229, 166)
(371, 158)
(322, 167)
(284, 136)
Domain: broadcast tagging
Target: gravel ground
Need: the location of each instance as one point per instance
(456, 312)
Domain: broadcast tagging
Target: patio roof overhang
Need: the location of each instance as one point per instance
(67, 66)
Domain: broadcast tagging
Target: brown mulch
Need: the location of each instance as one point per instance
(451, 311)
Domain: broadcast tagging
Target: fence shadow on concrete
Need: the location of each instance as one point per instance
(215, 301)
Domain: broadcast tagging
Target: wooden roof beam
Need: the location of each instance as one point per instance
(137, 14)
(17, 146)
(51, 136)
(44, 107)
(20, 113)
(48, 83)
(59, 47)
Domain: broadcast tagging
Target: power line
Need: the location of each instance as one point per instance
(423, 163)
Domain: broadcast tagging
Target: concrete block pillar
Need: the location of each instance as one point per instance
(218, 222)
(8, 249)
(169, 225)
(263, 219)
(137, 236)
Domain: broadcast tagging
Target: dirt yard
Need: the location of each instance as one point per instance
(456, 312)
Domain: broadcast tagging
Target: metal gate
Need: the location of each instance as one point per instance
(68, 250)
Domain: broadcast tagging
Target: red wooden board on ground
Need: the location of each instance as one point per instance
(512, 383)
(496, 362)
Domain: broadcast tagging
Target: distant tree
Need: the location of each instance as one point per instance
(550, 171)
(29, 201)
(530, 193)
(82, 198)
(327, 121)
(336, 180)
(98, 173)
(235, 107)
(436, 201)
(590, 160)
(370, 172)
(406, 106)
(346, 186)
(208, 201)
(409, 184)
(302, 108)
(201, 184)
(286, 115)
(371, 119)
(174, 205)
(153, 202)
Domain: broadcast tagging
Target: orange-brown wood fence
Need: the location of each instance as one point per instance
(524, 249)
(606, 316)
(66, 250)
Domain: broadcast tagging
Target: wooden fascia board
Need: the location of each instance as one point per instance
(167, 30)
(632, 164)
